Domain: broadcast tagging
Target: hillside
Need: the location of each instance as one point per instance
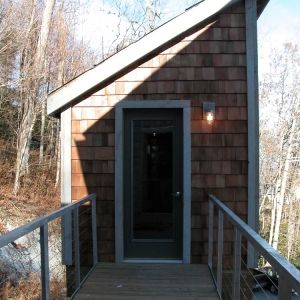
(37, 197)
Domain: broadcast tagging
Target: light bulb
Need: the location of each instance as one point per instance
(210, 117)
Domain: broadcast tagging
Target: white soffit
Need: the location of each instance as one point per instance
(128, 56)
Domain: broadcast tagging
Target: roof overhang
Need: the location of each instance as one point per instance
(137, 53)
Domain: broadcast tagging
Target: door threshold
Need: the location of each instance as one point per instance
(153, 261)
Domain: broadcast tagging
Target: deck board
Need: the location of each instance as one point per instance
(149, 281)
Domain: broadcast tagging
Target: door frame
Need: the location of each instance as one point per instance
(119, 163)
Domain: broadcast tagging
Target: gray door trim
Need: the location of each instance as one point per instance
(66, 183)
(253, 125)
(119, 143)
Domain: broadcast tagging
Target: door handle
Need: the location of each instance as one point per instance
(177, 194)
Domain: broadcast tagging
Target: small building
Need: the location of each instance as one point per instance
(159, 125)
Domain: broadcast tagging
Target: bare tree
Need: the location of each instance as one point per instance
(133, 19)
(32, 70)
(280, 104)
(42, 64)
(50, 54)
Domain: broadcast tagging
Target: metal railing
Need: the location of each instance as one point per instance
(71, 214)
(242, 233)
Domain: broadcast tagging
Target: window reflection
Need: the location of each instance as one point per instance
(152, 203)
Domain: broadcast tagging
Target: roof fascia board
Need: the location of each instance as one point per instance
(261, 5)
(133, 53)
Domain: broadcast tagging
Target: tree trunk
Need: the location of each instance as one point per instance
(43, 38)
(275, 199)
(150, 15)
(291, 230)
(24, 141)
(285, 177)
(31, 87)
(41, 53)
(27, 114)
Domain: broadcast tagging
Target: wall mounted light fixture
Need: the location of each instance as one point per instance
(209, 112)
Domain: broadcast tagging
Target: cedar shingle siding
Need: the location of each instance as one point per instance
(207, 66)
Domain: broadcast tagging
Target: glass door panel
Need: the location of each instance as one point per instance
(152, 179)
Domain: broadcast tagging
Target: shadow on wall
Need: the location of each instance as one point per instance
(207, 69)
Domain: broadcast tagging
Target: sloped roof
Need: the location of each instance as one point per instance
(153, 43)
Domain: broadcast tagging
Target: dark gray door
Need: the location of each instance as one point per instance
(153, 173)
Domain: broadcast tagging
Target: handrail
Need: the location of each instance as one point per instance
(42, 223)
(16, 233)
(289, 274)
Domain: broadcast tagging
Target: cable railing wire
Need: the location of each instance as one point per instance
(34, 252)
(236, 281)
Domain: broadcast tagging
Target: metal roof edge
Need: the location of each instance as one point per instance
(261, 5)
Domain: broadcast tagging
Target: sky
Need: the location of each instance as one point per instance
(101, 23)
(278, 24)
(281, 18)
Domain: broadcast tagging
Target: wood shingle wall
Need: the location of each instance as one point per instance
(207, 66)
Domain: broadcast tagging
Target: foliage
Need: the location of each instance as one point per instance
(37, 197)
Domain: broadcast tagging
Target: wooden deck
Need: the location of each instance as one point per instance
(149, 281)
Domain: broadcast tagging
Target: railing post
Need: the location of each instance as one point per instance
(42, 224)
(220, 252)
(44, 262)
(76, 249)
(94, 231)
(66, 238)
(284, 290)
(210, 232)
(236, 265)
(290, 276)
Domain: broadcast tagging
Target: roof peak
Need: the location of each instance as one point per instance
(151, 44)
